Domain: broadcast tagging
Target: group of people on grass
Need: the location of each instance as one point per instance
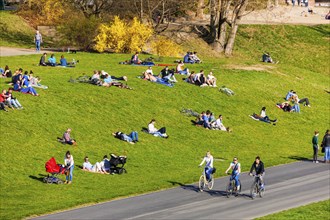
(292, 103)
(191, 57)
(165, 77)
(102, 78)
(207, 120)
(21, 82)
(199, 79)
(51, 61)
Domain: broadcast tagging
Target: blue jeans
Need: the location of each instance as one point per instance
(236, 177)
(184, 72)
(296, 108)
(69, 177)
(15, 103)
(133, 136)
(208, 172)
(327, 153)
(37, 45)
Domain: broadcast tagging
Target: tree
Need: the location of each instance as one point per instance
(92, 7)
(200, 9)
(225, 16)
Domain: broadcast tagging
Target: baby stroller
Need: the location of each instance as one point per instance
(54, 169)
(117, 164)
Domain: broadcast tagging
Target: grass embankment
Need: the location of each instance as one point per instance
(319, 210)
(29, 135)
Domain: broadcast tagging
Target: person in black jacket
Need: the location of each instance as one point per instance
(259, 168)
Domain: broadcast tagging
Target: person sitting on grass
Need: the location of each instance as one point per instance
(26, 79)
(131, 138)
(266, 58)
(28, 90)
(105, 165)
(42, 61)
(191, 77)
(187, 58)
(211, 80)
(200, 79)
(195, 58)
(167, 74)
(6, 72)
(35, 82)
(295, 98)
(96, 168)
(135, 59)
(52, 60)
(108, 82)
(206, 119)
(18, 75)
(181, 70)
(156, 132)
(13, 101)
(218, 124)
(3, 103)
(66, 139)
(200, 119)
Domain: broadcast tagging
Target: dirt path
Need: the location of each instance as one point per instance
(10, 51)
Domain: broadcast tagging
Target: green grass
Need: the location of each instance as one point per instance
(29, 136)
(319, 210)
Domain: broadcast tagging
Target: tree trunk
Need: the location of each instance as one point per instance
(200, 9)
(234, 28)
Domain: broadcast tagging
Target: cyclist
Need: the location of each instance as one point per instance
(208, 165)
(236, 167)
(258, 166)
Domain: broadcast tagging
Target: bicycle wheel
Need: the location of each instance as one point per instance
(229, 189)
(253, 191)
(210, 183)
(201, 183)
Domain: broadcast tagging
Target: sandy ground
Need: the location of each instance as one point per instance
(10, 51)
(288, 15)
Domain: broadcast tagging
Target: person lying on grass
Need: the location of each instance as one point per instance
(108, 82)
(263, 116)
(131, 138)
(66, 139)
(96, 168)
(156, 132)
(294, 97)
(285, 106)
(28, 90)
(103, 74)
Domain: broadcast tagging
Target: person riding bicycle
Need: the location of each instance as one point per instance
(258, 166)
(208, 165)
(236, 167)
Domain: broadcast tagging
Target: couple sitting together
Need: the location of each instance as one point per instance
(165, 77)
(102, 167)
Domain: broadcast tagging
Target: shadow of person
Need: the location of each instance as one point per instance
(185, 187)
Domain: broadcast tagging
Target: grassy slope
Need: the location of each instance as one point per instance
(14, 31)
(154, 163)
(319, 210)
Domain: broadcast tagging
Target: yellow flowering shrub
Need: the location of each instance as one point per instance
(122, 37)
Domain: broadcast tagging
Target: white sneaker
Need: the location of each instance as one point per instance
(316, 161)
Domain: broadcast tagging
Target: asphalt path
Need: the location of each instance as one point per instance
(10, 51)
(287, 186)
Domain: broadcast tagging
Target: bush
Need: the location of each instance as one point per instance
(162, 46)
(122, 37)
(79, 32)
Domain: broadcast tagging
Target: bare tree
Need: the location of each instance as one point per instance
(200, 9)
(92, 7)
(224, 21)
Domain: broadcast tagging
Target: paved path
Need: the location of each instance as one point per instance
(10, 51)
(287, 186)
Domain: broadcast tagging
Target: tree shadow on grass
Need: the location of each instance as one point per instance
(39, 178)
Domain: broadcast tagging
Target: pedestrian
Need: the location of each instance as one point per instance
(37, 40)
(326, 146)
(315, 142)
(293, 2)
(69, 164)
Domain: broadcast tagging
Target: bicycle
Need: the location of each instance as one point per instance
(203, 182)
(231, 187)
(256, 187)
